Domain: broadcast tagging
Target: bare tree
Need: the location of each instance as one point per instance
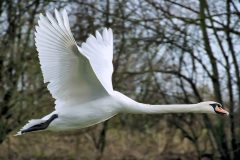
(164, 52)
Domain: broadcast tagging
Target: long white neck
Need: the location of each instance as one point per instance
(131, 106)
(173, 108)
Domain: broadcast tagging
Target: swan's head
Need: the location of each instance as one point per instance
(214, 107)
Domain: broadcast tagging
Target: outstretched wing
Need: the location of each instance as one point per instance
(99, 51)
(71, 77)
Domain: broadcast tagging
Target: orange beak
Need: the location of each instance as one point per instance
(221, 111)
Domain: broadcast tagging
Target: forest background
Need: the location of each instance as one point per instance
(165, 52)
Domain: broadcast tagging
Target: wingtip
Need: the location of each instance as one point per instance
(110, 29)
(64, 11)
(56, 12)
(98, 35)
(48, 14)
(107, 29)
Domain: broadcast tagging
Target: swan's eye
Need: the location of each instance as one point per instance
(219, 109)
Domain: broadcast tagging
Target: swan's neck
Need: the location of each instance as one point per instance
(173, 108)
(131, 106)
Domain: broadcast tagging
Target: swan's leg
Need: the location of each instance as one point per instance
(40, 126)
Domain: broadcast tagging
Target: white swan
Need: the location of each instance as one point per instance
(80, 79)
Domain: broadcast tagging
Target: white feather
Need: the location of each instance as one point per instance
(69, 73)
(100, 54)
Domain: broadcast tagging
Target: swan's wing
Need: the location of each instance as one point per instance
(69, 73)
(99, 51)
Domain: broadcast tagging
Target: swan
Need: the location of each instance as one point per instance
(80, 80)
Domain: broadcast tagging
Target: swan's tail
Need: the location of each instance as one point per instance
(36, 125)
(32, 125)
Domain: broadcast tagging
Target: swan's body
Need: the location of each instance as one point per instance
(80, 79)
